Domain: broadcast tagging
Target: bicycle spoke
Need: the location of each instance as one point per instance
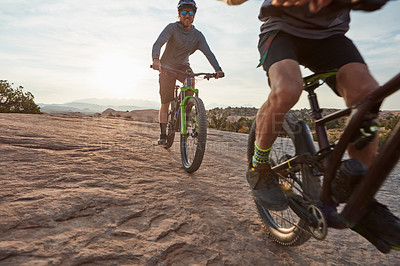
(193, 145)
(287, 227)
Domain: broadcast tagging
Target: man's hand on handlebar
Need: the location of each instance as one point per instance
(314, 5)
(156, 64)
(220, 74)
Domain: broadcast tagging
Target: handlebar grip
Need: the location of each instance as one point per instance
(208, 76)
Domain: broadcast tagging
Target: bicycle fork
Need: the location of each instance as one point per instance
(184, 100)
(183, 115)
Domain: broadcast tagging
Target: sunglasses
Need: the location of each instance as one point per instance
(185, 12)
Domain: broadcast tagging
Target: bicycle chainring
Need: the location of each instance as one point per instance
(320, 230)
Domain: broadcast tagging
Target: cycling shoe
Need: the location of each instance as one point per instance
(266, 189)
(380, 227)
(162, 140)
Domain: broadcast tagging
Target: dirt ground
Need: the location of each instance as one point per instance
(98, 191)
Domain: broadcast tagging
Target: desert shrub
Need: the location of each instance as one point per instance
(14, 100)
(389, 125)
(217, 118)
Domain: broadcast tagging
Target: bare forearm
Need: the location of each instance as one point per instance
(233, 2)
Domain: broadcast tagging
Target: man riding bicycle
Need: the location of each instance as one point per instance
(309, 33)
(182, 39)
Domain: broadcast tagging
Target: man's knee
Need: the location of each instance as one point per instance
(285, 96)
(286, 84)
(354, 82)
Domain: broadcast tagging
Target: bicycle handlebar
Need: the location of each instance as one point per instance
(207, 76)
(368, 5)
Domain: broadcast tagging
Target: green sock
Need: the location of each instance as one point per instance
(260, 157)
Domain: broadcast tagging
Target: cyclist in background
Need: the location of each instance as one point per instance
(309, 33)
(182, 39)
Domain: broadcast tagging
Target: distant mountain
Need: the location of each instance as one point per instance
(144, 104)
(217, 105)
(94, 105)
(90, 106)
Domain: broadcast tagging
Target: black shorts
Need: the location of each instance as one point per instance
(167, 82)
(316, 54)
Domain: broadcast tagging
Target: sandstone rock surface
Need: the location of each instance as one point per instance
(98, 191)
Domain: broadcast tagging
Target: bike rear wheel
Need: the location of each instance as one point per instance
(193, 143)
(170, 128)
(286, 227)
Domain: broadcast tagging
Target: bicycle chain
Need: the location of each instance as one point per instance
(286, 220)
(300, 200)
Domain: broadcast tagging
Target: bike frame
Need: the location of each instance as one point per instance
(382, 164)
(331, 157)
(182, 98)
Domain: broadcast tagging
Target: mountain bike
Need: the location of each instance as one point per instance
(187, 115)
(301, 168)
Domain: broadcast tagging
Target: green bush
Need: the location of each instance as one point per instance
(14, 100)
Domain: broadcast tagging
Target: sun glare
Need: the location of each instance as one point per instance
(116, 75)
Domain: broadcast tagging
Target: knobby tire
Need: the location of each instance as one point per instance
(193, 144)
(299, 180)
(171, 124)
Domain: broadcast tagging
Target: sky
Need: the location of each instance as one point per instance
(68, 50)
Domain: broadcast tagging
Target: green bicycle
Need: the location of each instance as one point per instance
(187, 115)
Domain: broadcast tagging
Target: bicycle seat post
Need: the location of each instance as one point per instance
(313, 100)
(320, 131)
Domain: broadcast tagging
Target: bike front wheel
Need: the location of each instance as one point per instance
(299, 182)
(193, 137)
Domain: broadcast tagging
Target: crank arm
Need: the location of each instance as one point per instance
(301, 212)
(316, 223)
(305, 158)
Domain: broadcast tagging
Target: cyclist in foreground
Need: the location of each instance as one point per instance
(182, 39)
(309, 33)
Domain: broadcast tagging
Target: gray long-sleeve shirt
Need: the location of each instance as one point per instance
(300, 22)
(181, 44)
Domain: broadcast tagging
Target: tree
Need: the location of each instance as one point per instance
(242, 125)
(15, 100)
(218, 118)
(391, 123)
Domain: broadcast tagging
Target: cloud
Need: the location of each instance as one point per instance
(56, 48)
